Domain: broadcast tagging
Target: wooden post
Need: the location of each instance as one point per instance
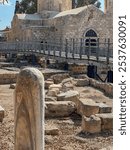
(108, 51)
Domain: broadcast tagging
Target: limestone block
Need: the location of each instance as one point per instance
(50, 98)
(106, 121)
(53, 92)
(87, 107)
(108, 88)
(91, 125)
(29, 115)
(58, 78)
(48, 83)
(59, 108)
(67, 80)
(51, 130)
(67, 87)
(55, 86)
(2, 113)
(69, 96)
(82, 82)
(93, 83)
(103, 108)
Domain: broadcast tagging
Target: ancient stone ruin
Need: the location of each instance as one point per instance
(29, 110)
(74, 106)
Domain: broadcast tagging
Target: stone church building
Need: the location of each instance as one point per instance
(55, 19)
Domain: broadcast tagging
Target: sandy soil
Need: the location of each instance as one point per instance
(70, 136)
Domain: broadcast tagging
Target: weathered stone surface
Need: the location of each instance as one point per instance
(93, 83)
(12, 86)
(50, 98)
(92, 124)
(48, 83)
(51, 130)
(87, 107)
(103, 108)
(106, 121)
(2, 113)
(82, 82)
(67, 87)
(69, 96)
(53, 92)
(58, 78)
(55, 86)
(29, 99)
(59, 109)
(107, 88)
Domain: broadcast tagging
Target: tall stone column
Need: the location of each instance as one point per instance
(29, 110)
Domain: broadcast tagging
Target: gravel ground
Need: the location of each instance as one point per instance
(70, 136)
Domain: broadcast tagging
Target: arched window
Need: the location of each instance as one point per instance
(91, 40)
(91, 33)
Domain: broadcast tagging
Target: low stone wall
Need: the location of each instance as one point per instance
(78, 68)
(8, 78)
(107, 88)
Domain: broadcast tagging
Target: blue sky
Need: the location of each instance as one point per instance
(7, 12)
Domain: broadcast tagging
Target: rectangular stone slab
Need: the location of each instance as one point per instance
(103, 108)
(91, 124)
(87, 107)
(59, 108)
(106, 121)
(1, 114)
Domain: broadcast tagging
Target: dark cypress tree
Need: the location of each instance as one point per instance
(26, 6)
(81, 3)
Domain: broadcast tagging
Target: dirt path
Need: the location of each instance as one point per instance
(70, 136)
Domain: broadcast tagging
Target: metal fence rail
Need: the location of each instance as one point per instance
(67, 48)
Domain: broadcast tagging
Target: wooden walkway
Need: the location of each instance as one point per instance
(65, 51)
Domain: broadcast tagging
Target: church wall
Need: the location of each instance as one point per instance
(77, 26)
(54, 5)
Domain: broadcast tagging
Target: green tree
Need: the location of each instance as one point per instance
(26, 6)
(3, 1)
(81, 3)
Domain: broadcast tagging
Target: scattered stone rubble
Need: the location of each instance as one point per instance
(62, 100)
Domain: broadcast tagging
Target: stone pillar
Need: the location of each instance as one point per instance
(29, 110)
